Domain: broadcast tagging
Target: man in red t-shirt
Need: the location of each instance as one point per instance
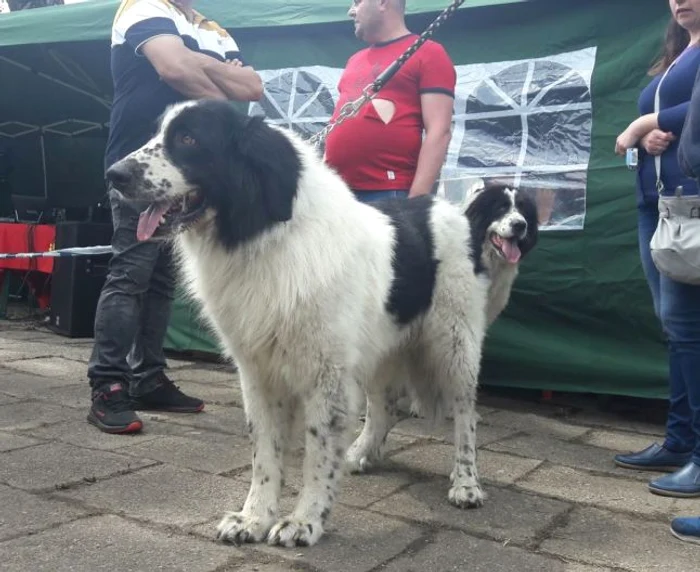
(381, 151)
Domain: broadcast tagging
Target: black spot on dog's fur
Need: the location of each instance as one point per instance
(414, 263)
(246, 171)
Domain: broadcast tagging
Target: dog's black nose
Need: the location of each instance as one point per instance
(119, 175)
(518, 226)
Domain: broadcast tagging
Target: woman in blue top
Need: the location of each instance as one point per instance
(676, 304)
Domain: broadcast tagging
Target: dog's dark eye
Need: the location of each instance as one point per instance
(187, 139)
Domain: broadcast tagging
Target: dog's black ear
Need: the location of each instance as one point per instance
(528, 208)
(276, 166)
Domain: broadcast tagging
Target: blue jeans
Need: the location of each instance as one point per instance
(371, 196)
(678, 307)
(133, 310)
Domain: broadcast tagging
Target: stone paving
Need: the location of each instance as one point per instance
(73, 498)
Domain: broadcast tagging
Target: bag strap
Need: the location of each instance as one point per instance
(657, 158)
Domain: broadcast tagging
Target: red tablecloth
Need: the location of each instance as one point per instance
(21, 237)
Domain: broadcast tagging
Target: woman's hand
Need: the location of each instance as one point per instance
(626, 140)
(638, 129)
(656, 141)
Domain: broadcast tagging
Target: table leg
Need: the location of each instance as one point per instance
(4, 292)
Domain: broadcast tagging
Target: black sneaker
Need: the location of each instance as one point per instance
(111, 410)
(167, 397)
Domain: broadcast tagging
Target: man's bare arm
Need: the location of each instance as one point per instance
(179, 67)
(437, 118)
(238, 82)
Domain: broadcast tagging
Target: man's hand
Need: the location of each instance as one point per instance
(437, 118)
(656, 141)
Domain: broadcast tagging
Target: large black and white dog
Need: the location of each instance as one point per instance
(323, 300)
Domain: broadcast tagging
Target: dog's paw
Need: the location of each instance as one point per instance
(359, 460)
(295, 532)
(463, 496)
(238, 528)
(357, 464)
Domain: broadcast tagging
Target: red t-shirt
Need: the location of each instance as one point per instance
(368, 153)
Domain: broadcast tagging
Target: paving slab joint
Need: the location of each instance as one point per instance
(55, 525)
(654, 516)
(560, 521)
(581, 439)
(421, 543)
(88, 481)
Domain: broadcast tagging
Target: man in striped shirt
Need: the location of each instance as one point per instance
(163, 51)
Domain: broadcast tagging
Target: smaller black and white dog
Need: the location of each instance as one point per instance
(322, 300)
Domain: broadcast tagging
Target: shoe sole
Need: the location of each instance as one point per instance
(665, 468)
(138, 407)
(685, 538)
(674, 494)
(133, 427)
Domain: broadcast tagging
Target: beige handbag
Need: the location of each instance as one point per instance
(675, 246)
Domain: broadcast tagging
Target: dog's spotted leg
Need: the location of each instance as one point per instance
(260, 510)
(466, 491)
(382, 415)
(327, 411)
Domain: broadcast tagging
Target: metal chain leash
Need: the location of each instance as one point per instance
(348, 111)
(351, 108)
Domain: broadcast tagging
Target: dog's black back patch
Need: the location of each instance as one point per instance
(414, 263)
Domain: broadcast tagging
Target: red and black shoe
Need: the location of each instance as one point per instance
(112, 411)
(167, 397)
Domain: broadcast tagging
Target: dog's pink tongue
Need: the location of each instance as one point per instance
(149, 221)
(511, 250)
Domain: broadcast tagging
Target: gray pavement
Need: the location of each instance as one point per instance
(73, 498)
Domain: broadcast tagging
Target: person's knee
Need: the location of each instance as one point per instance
(680, 326)
(126, 279)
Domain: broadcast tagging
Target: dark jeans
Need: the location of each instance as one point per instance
(678, 307)
(133, 310)
(371, 196)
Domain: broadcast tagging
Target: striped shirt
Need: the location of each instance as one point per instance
(140, 96)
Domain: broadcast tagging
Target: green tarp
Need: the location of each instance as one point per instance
(544, 87)
(92, 20)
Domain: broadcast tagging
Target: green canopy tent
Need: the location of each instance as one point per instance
(543, 88)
